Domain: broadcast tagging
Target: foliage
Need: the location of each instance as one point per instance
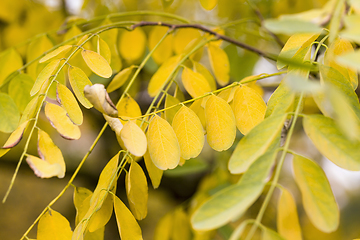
(194, 92)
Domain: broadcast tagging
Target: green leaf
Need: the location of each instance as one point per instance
(318, 199)
(256, 143)
(290, 26)
(190, 167)
(231, 201)
(269, 234)
(9, 114)
(330, 141)
(19, 90)
(53, 225)
(280, 101)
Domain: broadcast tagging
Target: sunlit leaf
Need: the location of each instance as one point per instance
(287, 217)
(127, 225)
(128, 108)
(199, 68)
(19, 90)
(231, 201)
(44, 169)
(163, 145)
(61, 122)
(97, 63)
(99, 98)
(9, 114)
(249, 109)
(10, 60)
(256, 143)
(44, 75)
(16, 136)
(329, 140)
(195, 83)
(60, 50)
(200, 111)
(53, 225)
(170, 113)
(102, 216)
(137, 190)
(120, 79)
(78, 80)
(164, 50)
(132, 45)
(69, 103)
(134, 139)
(155, 173)
(81, 200)
(219, 62)
(104, 50)
(220, 123)
(183, 37)
(189, 132)
(208, 4)
(318, 199)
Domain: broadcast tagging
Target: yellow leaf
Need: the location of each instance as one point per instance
(220, 65)
(97, 63)
(53, 225)
(101, 215)
(181, 229)
(228, 94)
(104, 50)
(249, 109)
(189, 132)
(137, 190)
(134, 139)
(61, 122)
(195, 83)
(128, 108)
(287, 217)
(164, 50)
(129, 229)
(81, 202)
(199, 68)
(43, 169)
(170, 113)
(220, 124)
(163, 145)
(78, 80)
(318, 199)
(208, 4)
(120, 79)
(162, 75)
(60, 50)
(44, 76)
(132, 45)
(164, 227)
(99, 98)
(183, 37)
(200, 111)
(16, 136)
(10, 60)
(49, 152)
(69, 103)
(154, 172)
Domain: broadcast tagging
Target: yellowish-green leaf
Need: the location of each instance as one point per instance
(49, 152)
(330, 141)
(337, 55)
(134, 139)
(30, 109)
(9, 114)
(97, 63)
(129, 229)
(162, 75)
(53, 225)
(19, 90)
(44, 169)
(60, 50)
(81, 200)
(291, 26)
(220, 123)
(132, 45)
(199, 68)
(164, 227)
(137, 190)
(110, 37)
(154, 172)
(189, 132)
(336, 20)
(128, 108)
(163, 145)
(256, 143)
(280, 101)
(294, 44)
(181, 223)
(102, 216)
(120, 79)
(61, 122)
(269, 234)
(69, 103)
(170, 113)
(10, 60)
(164, 50)
(104, 50)
(16, 136)
(238, 197)
(249, 109)
(195, 83)
(78, 80)
(100, 99)
(318, 199)
(287, 217)
(4, 151)
(36, 48)
(183, 37)
(208, 4)
(44, 75)
(220, 65)
(236, 234)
